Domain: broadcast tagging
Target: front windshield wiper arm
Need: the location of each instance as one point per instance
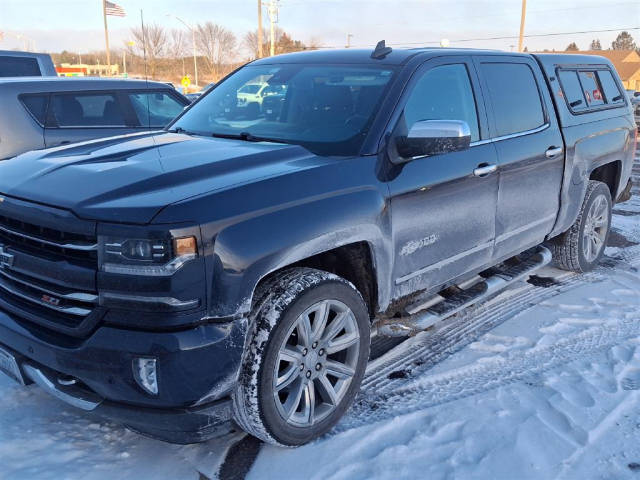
(247, 137)
(181, 130)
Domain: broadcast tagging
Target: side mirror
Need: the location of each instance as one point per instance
(433, 137)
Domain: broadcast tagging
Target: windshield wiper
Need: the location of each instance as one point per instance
(181, 130)
(247, 137)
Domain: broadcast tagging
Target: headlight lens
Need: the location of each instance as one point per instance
(140, 256)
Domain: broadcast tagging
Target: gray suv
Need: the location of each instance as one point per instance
(26, 64)
(43, 112)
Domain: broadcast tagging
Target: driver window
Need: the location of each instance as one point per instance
(443, 93)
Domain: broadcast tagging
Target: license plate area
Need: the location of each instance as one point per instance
(9, 366)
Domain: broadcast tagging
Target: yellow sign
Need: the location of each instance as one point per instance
(186, 81)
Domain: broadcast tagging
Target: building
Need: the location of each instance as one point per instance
(627, 63)
(84, 69)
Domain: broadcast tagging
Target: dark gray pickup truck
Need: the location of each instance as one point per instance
(235, 266)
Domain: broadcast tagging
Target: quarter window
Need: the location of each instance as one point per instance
(443, 93)
(37, 106)
(87, 110)
(155, 109)
(515, 97)
(11, 66)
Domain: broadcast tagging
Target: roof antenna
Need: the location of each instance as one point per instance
(381, 51)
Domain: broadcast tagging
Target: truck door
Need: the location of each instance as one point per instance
(525, 132)
(443, 215)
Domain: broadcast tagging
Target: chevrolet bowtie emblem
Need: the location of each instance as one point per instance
(6, 260)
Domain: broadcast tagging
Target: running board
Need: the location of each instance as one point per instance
(438, 308)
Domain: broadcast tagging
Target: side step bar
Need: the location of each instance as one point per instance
(439, 308)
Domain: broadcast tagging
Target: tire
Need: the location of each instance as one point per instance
(571, 249)
(264, 404)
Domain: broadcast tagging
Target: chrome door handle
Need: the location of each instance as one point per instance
(484, 170)
(553, 151)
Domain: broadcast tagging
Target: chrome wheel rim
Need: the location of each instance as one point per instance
(316, 363)
(595, 228)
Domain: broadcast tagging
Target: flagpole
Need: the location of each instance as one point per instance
(106, 36)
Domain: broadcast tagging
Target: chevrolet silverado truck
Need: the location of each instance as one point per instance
(231, 269)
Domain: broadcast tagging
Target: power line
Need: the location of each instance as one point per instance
(508, 37)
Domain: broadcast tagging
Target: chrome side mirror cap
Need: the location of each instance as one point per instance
(433, 137)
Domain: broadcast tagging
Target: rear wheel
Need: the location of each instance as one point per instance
(582, 246)
(306, 359)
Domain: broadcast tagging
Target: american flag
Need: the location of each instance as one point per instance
(113, 9)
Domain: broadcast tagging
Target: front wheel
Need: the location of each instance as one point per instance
(582, 246)
(306, 358)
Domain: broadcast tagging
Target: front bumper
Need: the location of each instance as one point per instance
(197, 369)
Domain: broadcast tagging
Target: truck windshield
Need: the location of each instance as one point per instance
(327, 109)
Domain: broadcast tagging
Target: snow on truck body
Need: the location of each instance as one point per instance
(150, 277)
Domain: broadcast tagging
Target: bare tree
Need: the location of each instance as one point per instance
(217, 44)
(284, 43)
(595, 44)
(572, 47)
(154, 40)
(178, 46)
(624, 41)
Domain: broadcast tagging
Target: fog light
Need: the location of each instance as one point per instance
(146, 374)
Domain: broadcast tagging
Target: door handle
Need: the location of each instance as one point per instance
(64, 142)
(485, 169)
(553, 151)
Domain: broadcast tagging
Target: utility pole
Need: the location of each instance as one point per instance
(273, 18)
(106, 36)
(522, 18)
(259, 28)
(349, 35)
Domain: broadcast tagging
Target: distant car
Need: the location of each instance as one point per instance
(42, 112)
(634, 97)
(26, 64)
(252, 95)
(195, 95)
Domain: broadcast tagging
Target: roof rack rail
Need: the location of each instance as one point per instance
(381, 51)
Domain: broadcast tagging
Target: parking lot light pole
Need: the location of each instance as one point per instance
(193, 37)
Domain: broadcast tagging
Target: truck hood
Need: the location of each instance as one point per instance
(131, 178)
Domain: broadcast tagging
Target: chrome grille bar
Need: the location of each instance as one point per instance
(75, 296)
(67, 246)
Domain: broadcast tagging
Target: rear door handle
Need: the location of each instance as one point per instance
(485, 169)
(553, 151)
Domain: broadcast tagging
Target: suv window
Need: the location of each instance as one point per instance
(87, 110)
(443, 93)
(155, 109)
(36, 105)
(591, 87)
(515, 97)
(19, 67)
(612, 94)
(572, 89)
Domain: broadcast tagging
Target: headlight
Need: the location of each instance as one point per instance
(141, 256)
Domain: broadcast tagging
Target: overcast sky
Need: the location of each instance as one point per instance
(76, 25)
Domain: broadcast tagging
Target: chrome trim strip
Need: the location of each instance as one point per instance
(524, 228)
(67, 246)
(444, 262)
(168, 301)
(510, 136)
(77, 311)
(75, 296)
(71, 395)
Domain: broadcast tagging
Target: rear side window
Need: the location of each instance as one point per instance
(19, 67)
(515, 97)
(572, 90)
(443, 93)
(155, 109)
(36, 105)
(591, 88)
(87, 110)
(612, 94)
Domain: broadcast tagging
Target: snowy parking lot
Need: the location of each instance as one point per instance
(542, 381)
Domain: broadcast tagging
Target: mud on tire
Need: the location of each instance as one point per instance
(279, 303)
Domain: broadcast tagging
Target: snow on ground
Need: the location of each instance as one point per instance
(541, 382)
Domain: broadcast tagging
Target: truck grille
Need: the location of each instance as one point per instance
(47, 276)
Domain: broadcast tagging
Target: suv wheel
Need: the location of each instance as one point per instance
(309, 345)
(582, 246)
